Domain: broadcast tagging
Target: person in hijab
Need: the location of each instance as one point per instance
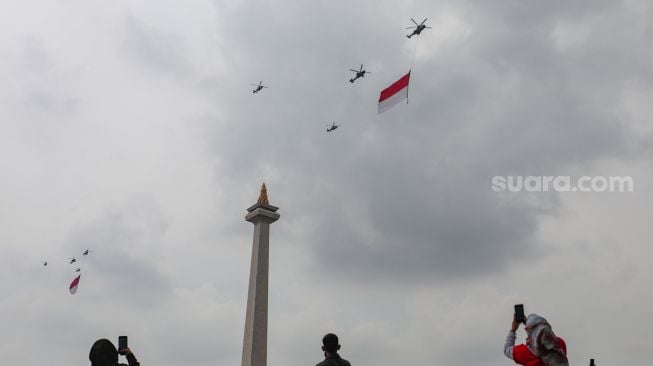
(104, 353)
(542, 348)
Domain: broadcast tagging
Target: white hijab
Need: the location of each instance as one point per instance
(535, 326)
(543, 342)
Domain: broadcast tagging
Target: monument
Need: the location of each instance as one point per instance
(255, 342)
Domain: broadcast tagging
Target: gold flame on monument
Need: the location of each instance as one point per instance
(263, 197)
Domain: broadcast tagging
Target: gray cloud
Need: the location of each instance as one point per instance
(116, 269)
(155, 49)
(504, 101)
(131, 129)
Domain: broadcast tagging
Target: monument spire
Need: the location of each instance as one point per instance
(261, 214)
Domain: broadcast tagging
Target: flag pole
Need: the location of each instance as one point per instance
(410, 69)
(408, 87)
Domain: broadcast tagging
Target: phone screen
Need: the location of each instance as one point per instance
(519, 313)
(122, 342)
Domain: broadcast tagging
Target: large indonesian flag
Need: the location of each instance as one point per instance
(394, 94)
(74, 284)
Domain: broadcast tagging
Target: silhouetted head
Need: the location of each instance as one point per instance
(103, 353)
(330, 343)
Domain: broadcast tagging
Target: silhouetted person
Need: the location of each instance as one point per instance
(330, 347)
(542, 348)
(104, 353)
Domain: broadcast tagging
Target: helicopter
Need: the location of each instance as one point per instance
(78, 269)
(359, 73)
(418, 27)
(259, 87)
(45, 263)
(332, 127)
(87, 251)
(73, 260)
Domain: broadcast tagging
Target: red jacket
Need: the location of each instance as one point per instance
(523, 356)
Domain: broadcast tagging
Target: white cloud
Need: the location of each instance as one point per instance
(130, 128)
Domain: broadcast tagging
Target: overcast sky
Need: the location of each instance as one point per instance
(130, 128)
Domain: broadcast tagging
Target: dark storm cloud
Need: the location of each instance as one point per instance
(504, 100)
(445, 225)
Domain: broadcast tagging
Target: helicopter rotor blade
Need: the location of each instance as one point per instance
(414, 21)
(425, 19)
(353, 70)
(427, 27)
(410, 27)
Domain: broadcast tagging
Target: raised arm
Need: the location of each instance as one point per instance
(510, 340)
(131, 359)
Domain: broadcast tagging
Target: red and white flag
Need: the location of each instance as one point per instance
(74, 284)
(394, 94)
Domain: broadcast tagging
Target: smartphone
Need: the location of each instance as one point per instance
(122, 343)
(519, 313)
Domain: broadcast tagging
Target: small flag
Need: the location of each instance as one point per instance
(74, 285)
(394, 94)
